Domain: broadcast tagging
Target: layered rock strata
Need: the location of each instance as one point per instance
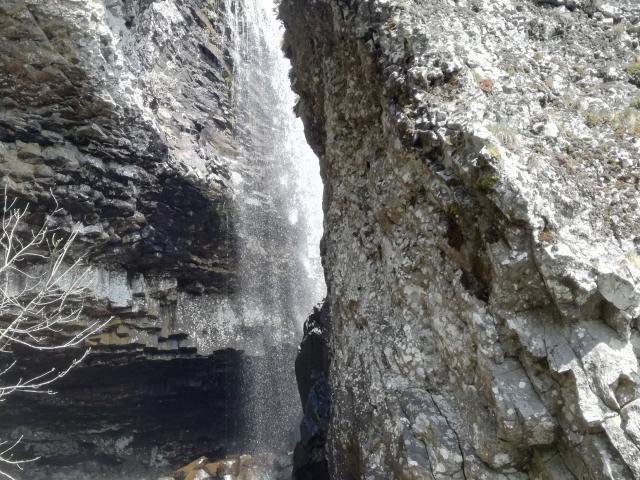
(482, 233)
(127, 416)
(120, 113)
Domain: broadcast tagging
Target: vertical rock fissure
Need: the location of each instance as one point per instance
(455, 434)
(278, 212)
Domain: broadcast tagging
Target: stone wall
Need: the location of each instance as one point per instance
(481, 247)
(120, 112)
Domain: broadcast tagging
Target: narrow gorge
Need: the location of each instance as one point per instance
(327, 239)
(165, 132)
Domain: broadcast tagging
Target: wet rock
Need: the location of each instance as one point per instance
(125, 415)
(312, 370)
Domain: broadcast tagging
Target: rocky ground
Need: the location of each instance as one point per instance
(482, 185)
(242, 467)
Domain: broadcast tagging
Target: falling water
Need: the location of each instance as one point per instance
(279, 221)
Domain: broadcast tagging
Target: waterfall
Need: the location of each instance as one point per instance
(278, 195)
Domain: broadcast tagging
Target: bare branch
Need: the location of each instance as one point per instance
(41, 302)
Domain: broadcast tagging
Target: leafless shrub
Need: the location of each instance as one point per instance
(42, 294)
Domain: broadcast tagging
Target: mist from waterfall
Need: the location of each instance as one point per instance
(278, 194)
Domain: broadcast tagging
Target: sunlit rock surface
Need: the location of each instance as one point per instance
(261, 466)
(482, 233)
(126, 113)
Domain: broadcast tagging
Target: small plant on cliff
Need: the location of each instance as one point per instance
(633, 69)
(507, 135)
(596, 118)
(41, 301)
(486, 182)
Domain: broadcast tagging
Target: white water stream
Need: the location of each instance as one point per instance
(278, 206)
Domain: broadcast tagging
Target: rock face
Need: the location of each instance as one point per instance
(121, 112)
(312, 374)
(123, 416)
(482, 233)
(163, 132)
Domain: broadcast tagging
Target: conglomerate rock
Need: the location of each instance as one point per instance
(482, 233)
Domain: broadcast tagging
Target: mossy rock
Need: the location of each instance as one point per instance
(487, 182)
(634, 73)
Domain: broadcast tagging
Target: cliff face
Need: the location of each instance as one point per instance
(163, 132)
(121, 112)
(312, 372)
(482, 224)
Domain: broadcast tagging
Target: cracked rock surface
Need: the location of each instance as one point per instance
(482, 233)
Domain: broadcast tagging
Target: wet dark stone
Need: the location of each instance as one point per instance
(312, 370)
(115, 417)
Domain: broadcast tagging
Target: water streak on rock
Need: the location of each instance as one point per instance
(278, 209)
